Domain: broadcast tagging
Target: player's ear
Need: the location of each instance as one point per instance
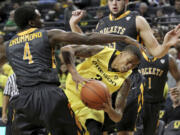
(31, 23)
(126, 2)
(122, 53)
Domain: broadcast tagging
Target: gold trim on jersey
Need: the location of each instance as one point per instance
(26, 31)
(141, 98)
(53, 58)
(147, 59)
(121, 16)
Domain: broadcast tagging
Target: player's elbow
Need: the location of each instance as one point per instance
(119, 115)
(66, 48)
(118, 119)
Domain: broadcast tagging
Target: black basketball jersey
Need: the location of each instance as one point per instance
(32, 58)
(155, 73)
(125, 24)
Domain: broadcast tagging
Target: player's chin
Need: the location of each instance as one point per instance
(115, 13)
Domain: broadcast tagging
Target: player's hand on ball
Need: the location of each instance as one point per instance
(107, 107)
(79, 80)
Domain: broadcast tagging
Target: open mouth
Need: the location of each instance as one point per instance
(115, 9)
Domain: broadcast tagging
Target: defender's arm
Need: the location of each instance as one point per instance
(171, 38)
(59, 36)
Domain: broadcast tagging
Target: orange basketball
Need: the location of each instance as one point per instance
(94, 93)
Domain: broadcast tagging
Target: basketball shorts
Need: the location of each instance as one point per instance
(147, 121)
(133, 106)
(43, 105)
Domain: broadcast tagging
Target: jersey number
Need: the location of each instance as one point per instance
(98, 77)
(27, 53)
(112, 45)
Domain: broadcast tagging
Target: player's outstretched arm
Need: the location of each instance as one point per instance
(120, 103)
(69, 52)
(175, 72)
(157, 50)
(59, 36)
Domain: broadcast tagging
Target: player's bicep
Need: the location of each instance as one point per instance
(122, 93)
(146, 33)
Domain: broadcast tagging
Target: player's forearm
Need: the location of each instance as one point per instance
(75, 28)
(115, 115)
(159, 51)
(68, 59)
(98, 38)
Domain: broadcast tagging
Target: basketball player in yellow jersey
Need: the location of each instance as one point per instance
(107, 65)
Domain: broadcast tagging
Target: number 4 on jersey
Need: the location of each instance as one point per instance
(27, 53)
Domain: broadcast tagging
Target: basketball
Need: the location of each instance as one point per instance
(94, 93)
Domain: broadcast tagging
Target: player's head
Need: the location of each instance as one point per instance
(128, 59)
(117, 7)
(27, 16)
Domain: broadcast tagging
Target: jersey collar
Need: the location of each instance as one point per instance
(26, 31)
(148, 58)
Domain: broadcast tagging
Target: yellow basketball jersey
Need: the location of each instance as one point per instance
(96, 67)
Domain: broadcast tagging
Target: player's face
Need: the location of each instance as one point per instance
(116, 6)
(127, 61)
(38, 21)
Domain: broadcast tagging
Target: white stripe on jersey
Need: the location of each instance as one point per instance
(11, 87)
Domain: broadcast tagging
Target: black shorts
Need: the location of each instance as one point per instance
(148, 119)
(43, 105)
(133, 105)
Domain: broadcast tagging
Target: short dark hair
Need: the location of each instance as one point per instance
(23, 15)
(133, 49)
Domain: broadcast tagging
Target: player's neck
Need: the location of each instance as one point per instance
(27, 27)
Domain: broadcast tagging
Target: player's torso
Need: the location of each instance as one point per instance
(31, 57)
(123, 25)
(155, 73)
(98, 67)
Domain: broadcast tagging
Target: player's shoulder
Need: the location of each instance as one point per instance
(104, 20)
(135, 13)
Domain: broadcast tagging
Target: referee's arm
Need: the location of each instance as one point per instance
(6, 96)
(4, 108)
